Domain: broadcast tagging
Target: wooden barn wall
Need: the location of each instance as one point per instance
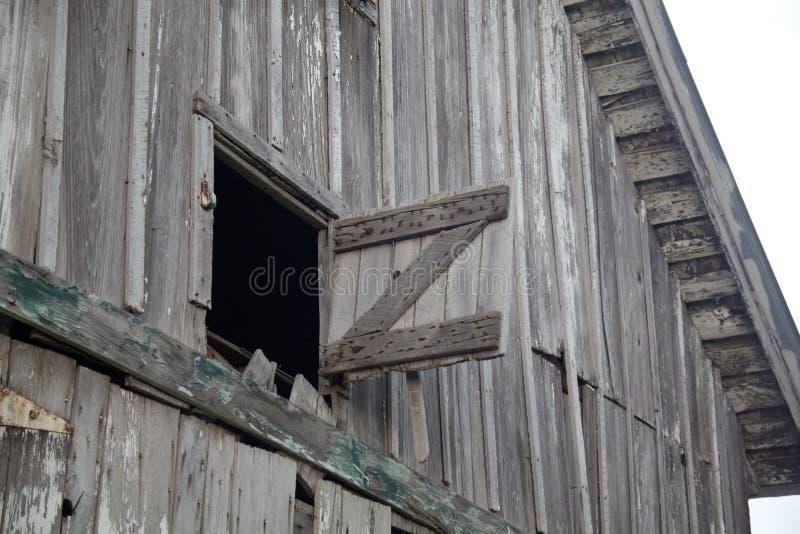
(97, 175)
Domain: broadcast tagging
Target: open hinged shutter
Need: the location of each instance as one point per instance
(420, 286)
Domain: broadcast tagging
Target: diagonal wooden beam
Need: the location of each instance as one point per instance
(123, 341)
(429, 343)
(409, 285)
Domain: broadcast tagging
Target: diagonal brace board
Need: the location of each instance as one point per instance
(121, 340)
(407, 287)
(431, 342)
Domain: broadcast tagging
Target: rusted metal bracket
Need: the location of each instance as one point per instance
(16, 410)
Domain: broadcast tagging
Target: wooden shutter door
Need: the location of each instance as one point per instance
(420, 286)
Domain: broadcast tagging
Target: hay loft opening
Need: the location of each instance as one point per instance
(265, 290)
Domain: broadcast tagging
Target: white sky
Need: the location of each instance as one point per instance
(745, 59)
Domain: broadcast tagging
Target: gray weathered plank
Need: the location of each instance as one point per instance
(490, 204)
(337, 510)
(656, 163)
(43, 376)
(638, 117)
(305, 94)
(89, 408)
(190, 474)
(709, 286)
(407, 287)
(32, 479)
(689, 249)
(622, 77)
(333, 55)
(262, 491)
(676, 204)
(465, 335)
(136, 184)
(26, 33)
(365, 8)
(260, 371)
(281, 175)
(92, 246)
(53, 142)
(361, 161)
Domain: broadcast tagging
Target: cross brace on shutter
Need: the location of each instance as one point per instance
(375, 343)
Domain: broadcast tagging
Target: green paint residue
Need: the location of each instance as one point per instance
(212, 376)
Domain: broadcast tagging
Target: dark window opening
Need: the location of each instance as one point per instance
(264, 293)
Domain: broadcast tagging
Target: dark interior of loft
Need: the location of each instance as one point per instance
(264, 288)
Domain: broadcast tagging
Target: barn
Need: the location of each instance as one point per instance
(377, 266)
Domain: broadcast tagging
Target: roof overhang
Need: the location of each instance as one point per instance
(674, 156)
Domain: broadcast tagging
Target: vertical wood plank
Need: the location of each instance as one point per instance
(190, 474)
(557, 51)
(654, 368)
(26, 37)
(32, 479)
(683, 400)
(53, 142)
(337, 511)
(201, 240)
(428, 38)
(275, 73)
(716, 468)
(305, 89)
(137, 158)
(93, 209)
(387, 104)
(333, 56)
(262, 491)
(219, 471)
(88, 418)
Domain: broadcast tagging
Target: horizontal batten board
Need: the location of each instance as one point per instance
(660, 163)
(409, 285)
(770, 434)
(691, 249)
(709, 286)
(490, 204)
(676, 204)
(121, 340)
(638, 117)
(622, 77)
(283, 176)
(466, 335)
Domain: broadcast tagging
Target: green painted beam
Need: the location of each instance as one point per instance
(122, 340)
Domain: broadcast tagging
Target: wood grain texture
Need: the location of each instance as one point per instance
(53, 142)
(425, 342)
(32, 479)
(262, 491)
(333, 56)
(638, 117)
(27, 31)
(337, 510)
(97, 113)
(656, 163)
(362, 172)
(136, 184)
(415, 220)
(88, 417)
(305, 89)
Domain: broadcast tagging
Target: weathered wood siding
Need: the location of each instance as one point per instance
(435, 97)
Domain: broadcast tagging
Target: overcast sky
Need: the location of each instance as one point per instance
(745, 59)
